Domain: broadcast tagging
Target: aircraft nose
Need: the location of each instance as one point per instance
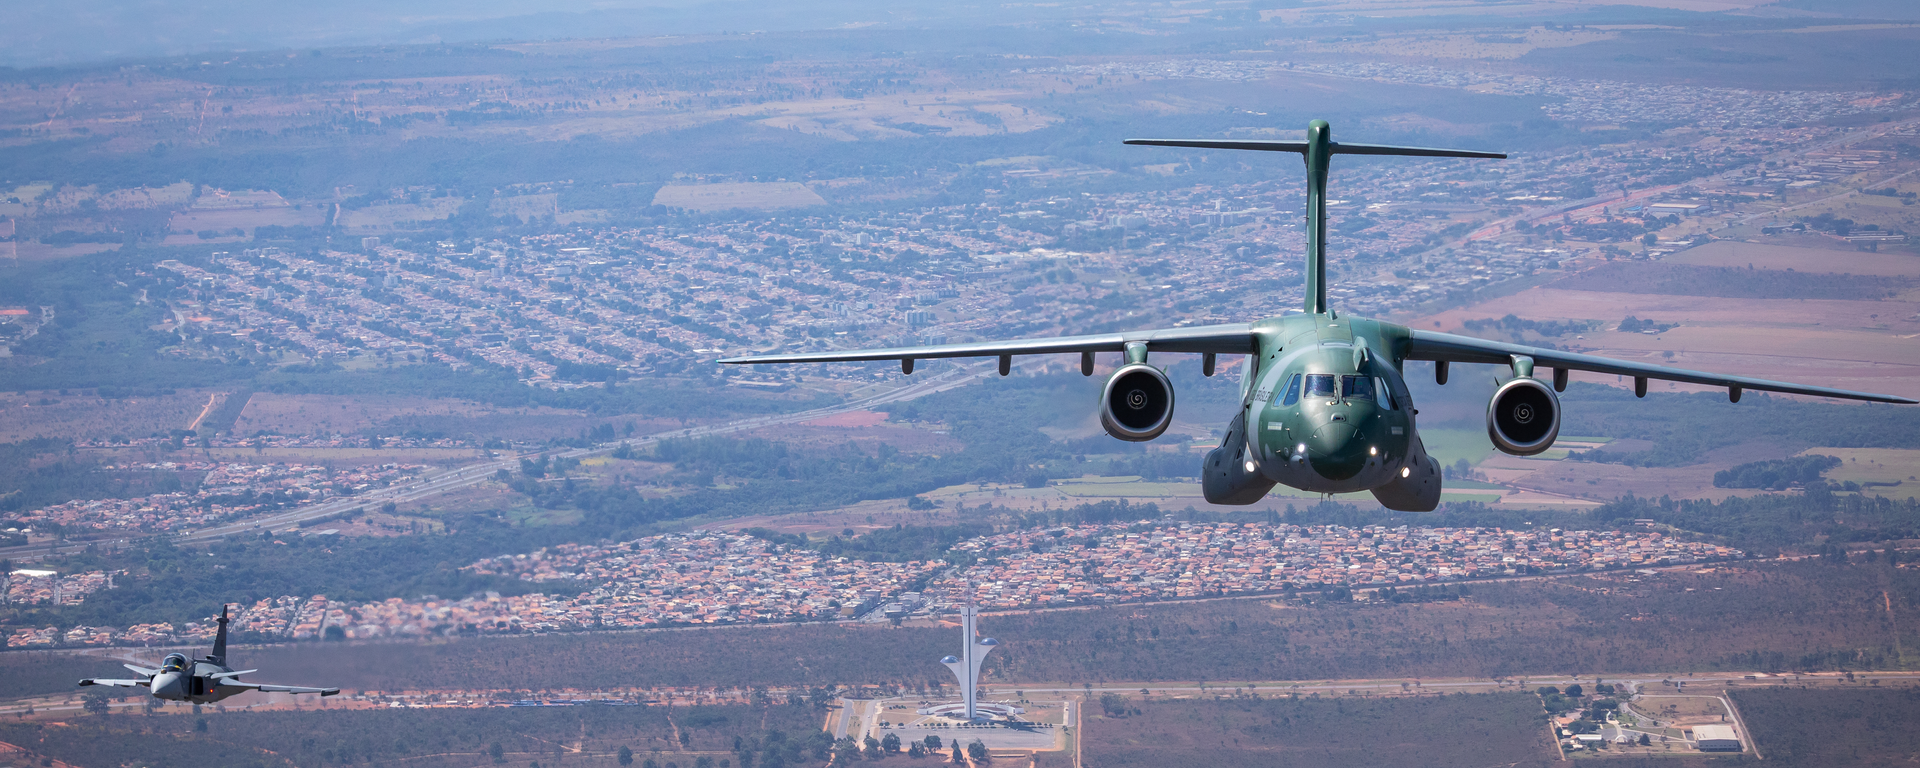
(1336, 452)
(166, 685)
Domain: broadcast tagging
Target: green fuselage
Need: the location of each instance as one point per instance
(1326, 407)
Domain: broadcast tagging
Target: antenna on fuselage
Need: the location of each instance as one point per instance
(1318, 150)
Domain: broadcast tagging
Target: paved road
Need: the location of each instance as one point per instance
(472, 474)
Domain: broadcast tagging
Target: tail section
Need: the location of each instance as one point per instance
(219, 654)
(1318, 150)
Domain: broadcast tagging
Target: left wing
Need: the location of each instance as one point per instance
(1231, 339)
(1449, 348)
(266, 688)
(116, 683)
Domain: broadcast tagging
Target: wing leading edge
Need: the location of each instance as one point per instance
(1450, 348)
(269, 688)
(1231, 339)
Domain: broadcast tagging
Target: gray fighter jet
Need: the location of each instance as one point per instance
(201, 682)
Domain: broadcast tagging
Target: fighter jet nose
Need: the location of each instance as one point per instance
(1335, 452)
(167, 685)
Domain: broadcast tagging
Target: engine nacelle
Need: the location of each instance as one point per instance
(1137, 404)
(1524, 417)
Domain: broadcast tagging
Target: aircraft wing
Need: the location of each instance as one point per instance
(1231, 339)
(268, 688)
(115, 683)
(139, 670)
(1450, 348)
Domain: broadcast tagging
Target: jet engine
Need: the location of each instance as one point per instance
(1524, 417)
(1137, 404)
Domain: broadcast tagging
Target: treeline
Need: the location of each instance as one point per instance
(1773, 521)
(1776, 474)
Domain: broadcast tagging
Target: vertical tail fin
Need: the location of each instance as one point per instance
(219, 654)
(1318, 150)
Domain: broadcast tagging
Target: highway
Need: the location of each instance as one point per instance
(432, 485)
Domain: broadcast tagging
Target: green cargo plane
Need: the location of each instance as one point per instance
(1324, 408)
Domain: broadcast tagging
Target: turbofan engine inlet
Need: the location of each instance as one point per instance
(1137, 404)
(1524, 417)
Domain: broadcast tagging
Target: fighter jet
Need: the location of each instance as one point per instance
(1324, 407)
(202, 682)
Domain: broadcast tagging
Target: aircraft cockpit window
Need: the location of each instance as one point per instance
(1320, 385)
(1292, 393)
(1386, 394)
(174, 663)
(1356, 387)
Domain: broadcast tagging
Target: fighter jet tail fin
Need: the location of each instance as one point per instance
(219, 654)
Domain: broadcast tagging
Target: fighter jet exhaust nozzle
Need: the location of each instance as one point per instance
(1524, 417)
(1137, 404)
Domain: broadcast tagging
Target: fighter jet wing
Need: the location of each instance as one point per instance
(267, 688)
(116, 683)
(1230, 339)
(138, 670)
(1447, 347)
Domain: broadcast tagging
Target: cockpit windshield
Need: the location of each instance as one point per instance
(174, 663)
(1356, 387)
(1320, 385)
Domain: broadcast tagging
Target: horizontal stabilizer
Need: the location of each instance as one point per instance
(1300, 147)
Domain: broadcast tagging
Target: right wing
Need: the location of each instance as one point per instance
(116, 683)
(1231, 339)
(268, 688)
(142, 670)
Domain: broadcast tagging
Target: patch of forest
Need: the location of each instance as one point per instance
(1731, 282)
(1856, 725)
(590, 735)
(1452, 731)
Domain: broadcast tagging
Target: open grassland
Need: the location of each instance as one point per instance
(1889, 472)
(338, 734)
(1833, 727)
(726, 196)
(1768, 617)
(1841, 258)
(398, 415)
(1831, 342)
(1505, 729)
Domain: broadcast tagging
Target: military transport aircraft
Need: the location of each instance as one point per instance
(1324, 407)
(201, 682)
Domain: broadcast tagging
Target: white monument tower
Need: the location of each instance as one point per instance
(967, 667)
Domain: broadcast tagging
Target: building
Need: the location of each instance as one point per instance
(1715, 738)
(966, 667)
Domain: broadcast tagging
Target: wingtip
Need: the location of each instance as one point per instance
(329, 692)
(88, 681)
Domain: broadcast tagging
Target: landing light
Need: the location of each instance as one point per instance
(1252, 466)
(1406, 471)
(1373, 451)
(1301, 448)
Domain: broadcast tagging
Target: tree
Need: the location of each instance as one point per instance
(872, 749)
(978, 752)
(498, 754)
(1644, 741)
(959, 755)
(626, 756)
(890, 744)
(97, 703)
(932, 741)
(1575, 691)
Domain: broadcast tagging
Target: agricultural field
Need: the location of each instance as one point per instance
(1462, 730)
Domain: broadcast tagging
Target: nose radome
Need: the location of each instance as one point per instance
(1335, 453)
